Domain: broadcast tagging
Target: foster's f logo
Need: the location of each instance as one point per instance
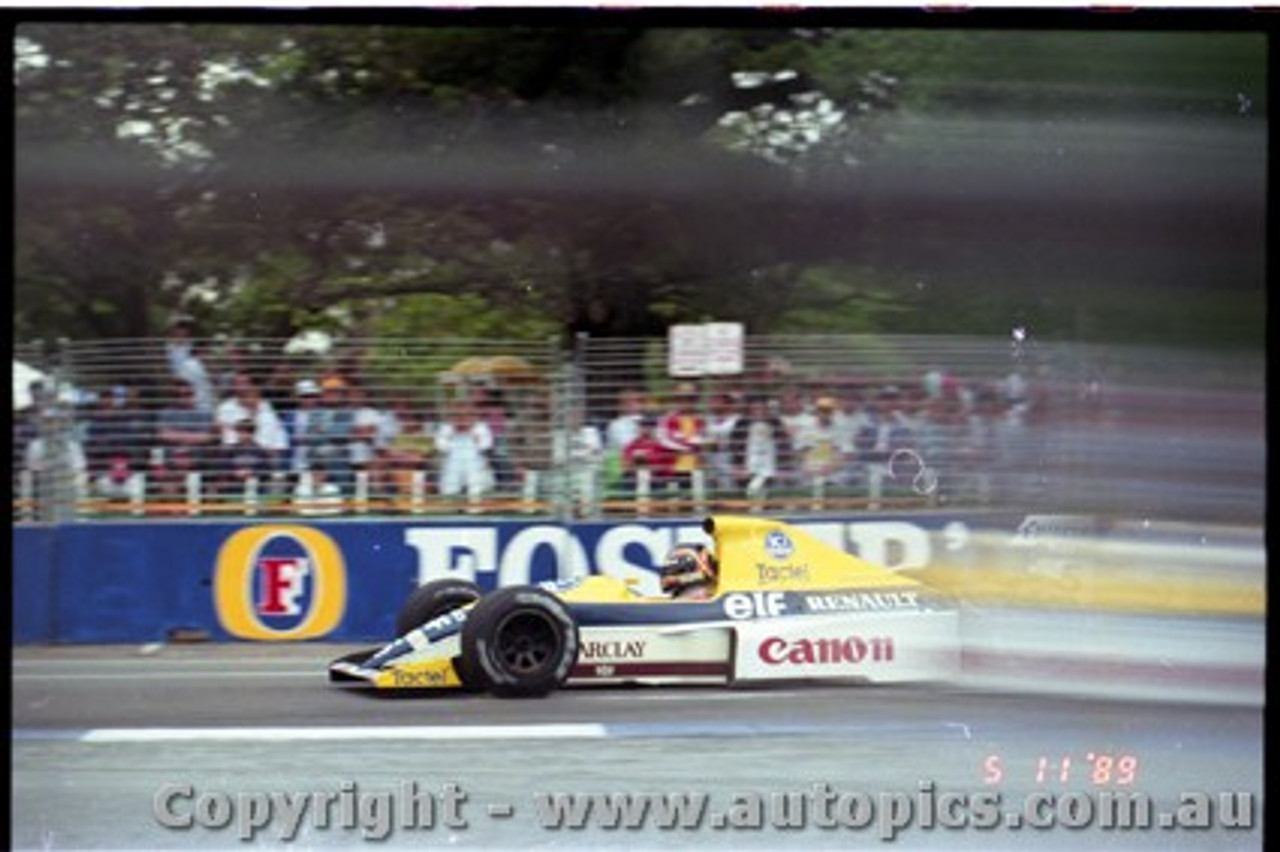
(278, 582)
(281, 584)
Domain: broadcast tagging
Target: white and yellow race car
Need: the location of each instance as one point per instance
(785, 607)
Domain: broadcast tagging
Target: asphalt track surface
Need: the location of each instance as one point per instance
(101, 733)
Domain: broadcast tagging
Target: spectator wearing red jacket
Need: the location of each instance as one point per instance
(683, 431)
(646, 452)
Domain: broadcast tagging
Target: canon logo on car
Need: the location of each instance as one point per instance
(777, 651)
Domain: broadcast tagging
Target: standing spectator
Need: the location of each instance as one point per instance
(724, 415)
(246, 402)
(851, 417)
(463, 442)
(625, 426)
(184, 437)
(821, 444)
(619, 432)
(797, 419)
(683, 431)
(243, 458)
(54, 451)
(646, 452)
(366, 431)
(331, 435)
(886, 431)
(300, 423)
(185, 363)
(759, 447)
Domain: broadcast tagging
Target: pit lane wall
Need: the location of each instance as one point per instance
(342, 581)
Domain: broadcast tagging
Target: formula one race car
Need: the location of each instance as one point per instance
(785, 606)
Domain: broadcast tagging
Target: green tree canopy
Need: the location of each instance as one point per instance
(614, 179)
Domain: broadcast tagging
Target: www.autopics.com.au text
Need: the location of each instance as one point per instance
(412, 806)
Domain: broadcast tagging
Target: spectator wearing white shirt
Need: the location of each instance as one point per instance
(759, 447)
(463, 442)
(43, 456)
(247, 403)
(625, 426)
(796, 418)
(822, 445)
(580, 450)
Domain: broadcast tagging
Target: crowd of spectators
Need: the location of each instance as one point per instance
(312, 438)
(883, 440)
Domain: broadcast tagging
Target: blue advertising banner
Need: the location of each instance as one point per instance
(344, 580)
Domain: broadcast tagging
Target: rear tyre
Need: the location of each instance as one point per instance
(432, 600)
(520, 642)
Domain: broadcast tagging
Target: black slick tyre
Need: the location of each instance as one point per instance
(520, 642)
(432, 600)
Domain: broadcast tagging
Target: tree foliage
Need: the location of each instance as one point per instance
(504, 180)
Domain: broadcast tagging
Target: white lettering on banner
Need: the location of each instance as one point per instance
(893, 544)
(466, 552)
(453, 552)
(611, 554)
(571, 558)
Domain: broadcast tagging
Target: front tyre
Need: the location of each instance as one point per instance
(432, 600)
(520, 642)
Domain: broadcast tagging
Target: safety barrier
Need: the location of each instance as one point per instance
(343, 580)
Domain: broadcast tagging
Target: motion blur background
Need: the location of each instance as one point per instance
(1086, 208)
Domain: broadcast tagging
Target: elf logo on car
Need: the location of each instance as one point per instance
(742, 605)
(279, 582)
(776, 651)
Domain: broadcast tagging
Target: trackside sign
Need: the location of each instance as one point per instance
(500, 555)
(344, 580)
(280, 582)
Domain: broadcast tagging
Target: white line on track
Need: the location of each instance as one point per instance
(163, 675)
(400, 733)
(679, 693)
(151, 663)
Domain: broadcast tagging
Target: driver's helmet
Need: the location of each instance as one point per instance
(686, 567)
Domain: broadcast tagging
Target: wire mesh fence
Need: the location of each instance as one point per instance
(184, 428)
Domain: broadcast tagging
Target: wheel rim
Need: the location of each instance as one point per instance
(526, 643)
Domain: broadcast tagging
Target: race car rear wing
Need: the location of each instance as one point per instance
(759, 553)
